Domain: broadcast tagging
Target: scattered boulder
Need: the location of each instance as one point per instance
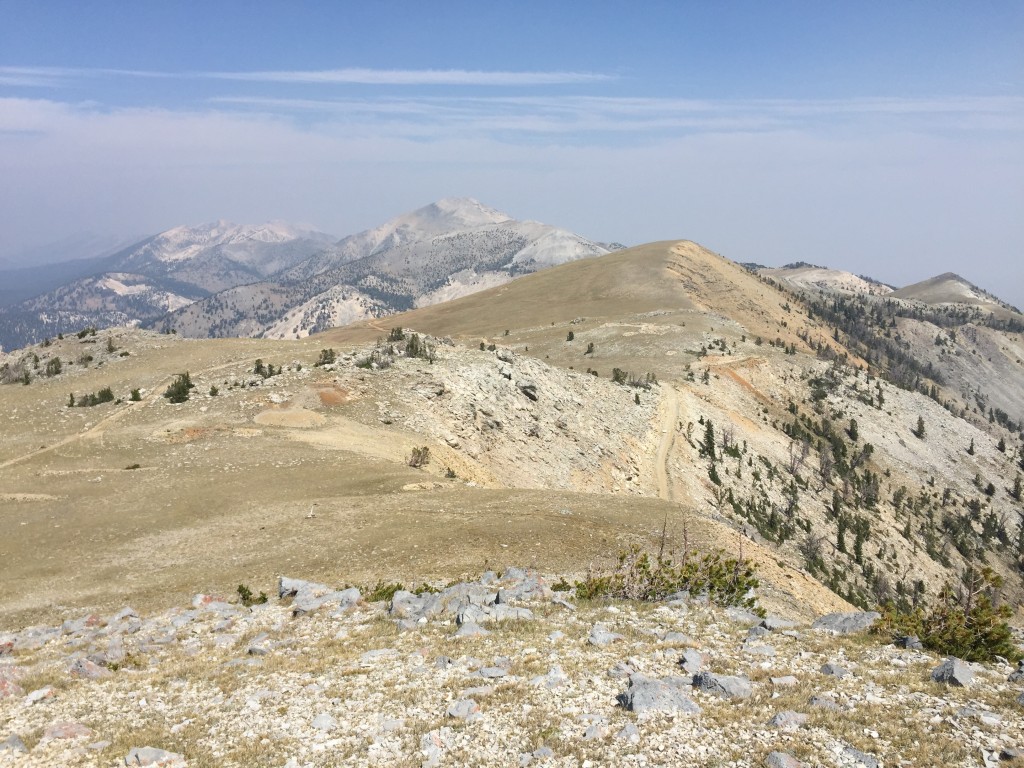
(824, 702)
(834, 670)
(910, 642)
(861, 758)
(953, 671)
(692, 661)
(600, 635)
(463, 709)
(469, 629)
(846, 623)
(726, 686)
(788, 720)
(630, 733)
(324, 722)
(13, 743)
(743, 616)
(1017, 676)
(782, 760)
(87, 669)
(776, 624)
(308, 596)
(667, 694)
(528, 388)
(66, 730)
(40, 694)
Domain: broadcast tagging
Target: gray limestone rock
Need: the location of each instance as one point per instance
(629, 733)
(834, 670)
(861, 758)
(788, 720)
(775, 624)
(600, 635)
(824, 702)
(910, 642)
(469, 629)
(667, 694)
(324, 722)
(676, 638)
(846, 623)
(954, 672)
(87, 669)
(742, 616)
(726, 686)
(692, 662)
(463, 709)
(13, 743)
(782, 760)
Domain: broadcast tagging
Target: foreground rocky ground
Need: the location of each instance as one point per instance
(501, 671)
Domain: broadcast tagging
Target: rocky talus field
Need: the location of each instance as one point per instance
(503, 670)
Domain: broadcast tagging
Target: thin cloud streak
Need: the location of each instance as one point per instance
(54, 76)
(596, 115)
(413, 77)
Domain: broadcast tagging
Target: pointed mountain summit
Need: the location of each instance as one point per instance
(433, 254)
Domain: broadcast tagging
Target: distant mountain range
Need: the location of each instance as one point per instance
(281, 281)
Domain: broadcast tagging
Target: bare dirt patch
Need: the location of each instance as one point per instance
(296, 418)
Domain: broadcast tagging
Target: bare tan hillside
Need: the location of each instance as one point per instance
(577, 410)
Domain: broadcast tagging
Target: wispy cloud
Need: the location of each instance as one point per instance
(413, 77)
(586, 115)
(53, 76)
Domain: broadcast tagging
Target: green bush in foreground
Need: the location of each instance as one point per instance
(246, 597)
(641, 576)
(963, 622)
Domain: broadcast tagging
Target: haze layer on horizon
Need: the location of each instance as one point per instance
(888, 141)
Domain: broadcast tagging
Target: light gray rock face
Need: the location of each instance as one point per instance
(726, 686)
(846, 623)
(13, 743)
(777, 624)
(600, 635)
(692, 661)
(152, 756)
(824, 702)
(668, 694)
(469, 629)
(861, 758)
(87, 669)
(324, 722)
(1018, 675)
(788, 720)
(953, 671)
(308, 596)
(834, 670)
(782, 760)
(742, 616)
(463, 709)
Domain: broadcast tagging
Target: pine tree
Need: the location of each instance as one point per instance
(919, 431)
(709, 439)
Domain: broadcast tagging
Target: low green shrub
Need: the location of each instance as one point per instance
(964, 621)
(641, 576)
(246, 597)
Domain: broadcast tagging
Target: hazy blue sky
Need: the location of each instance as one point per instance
(885, 138)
